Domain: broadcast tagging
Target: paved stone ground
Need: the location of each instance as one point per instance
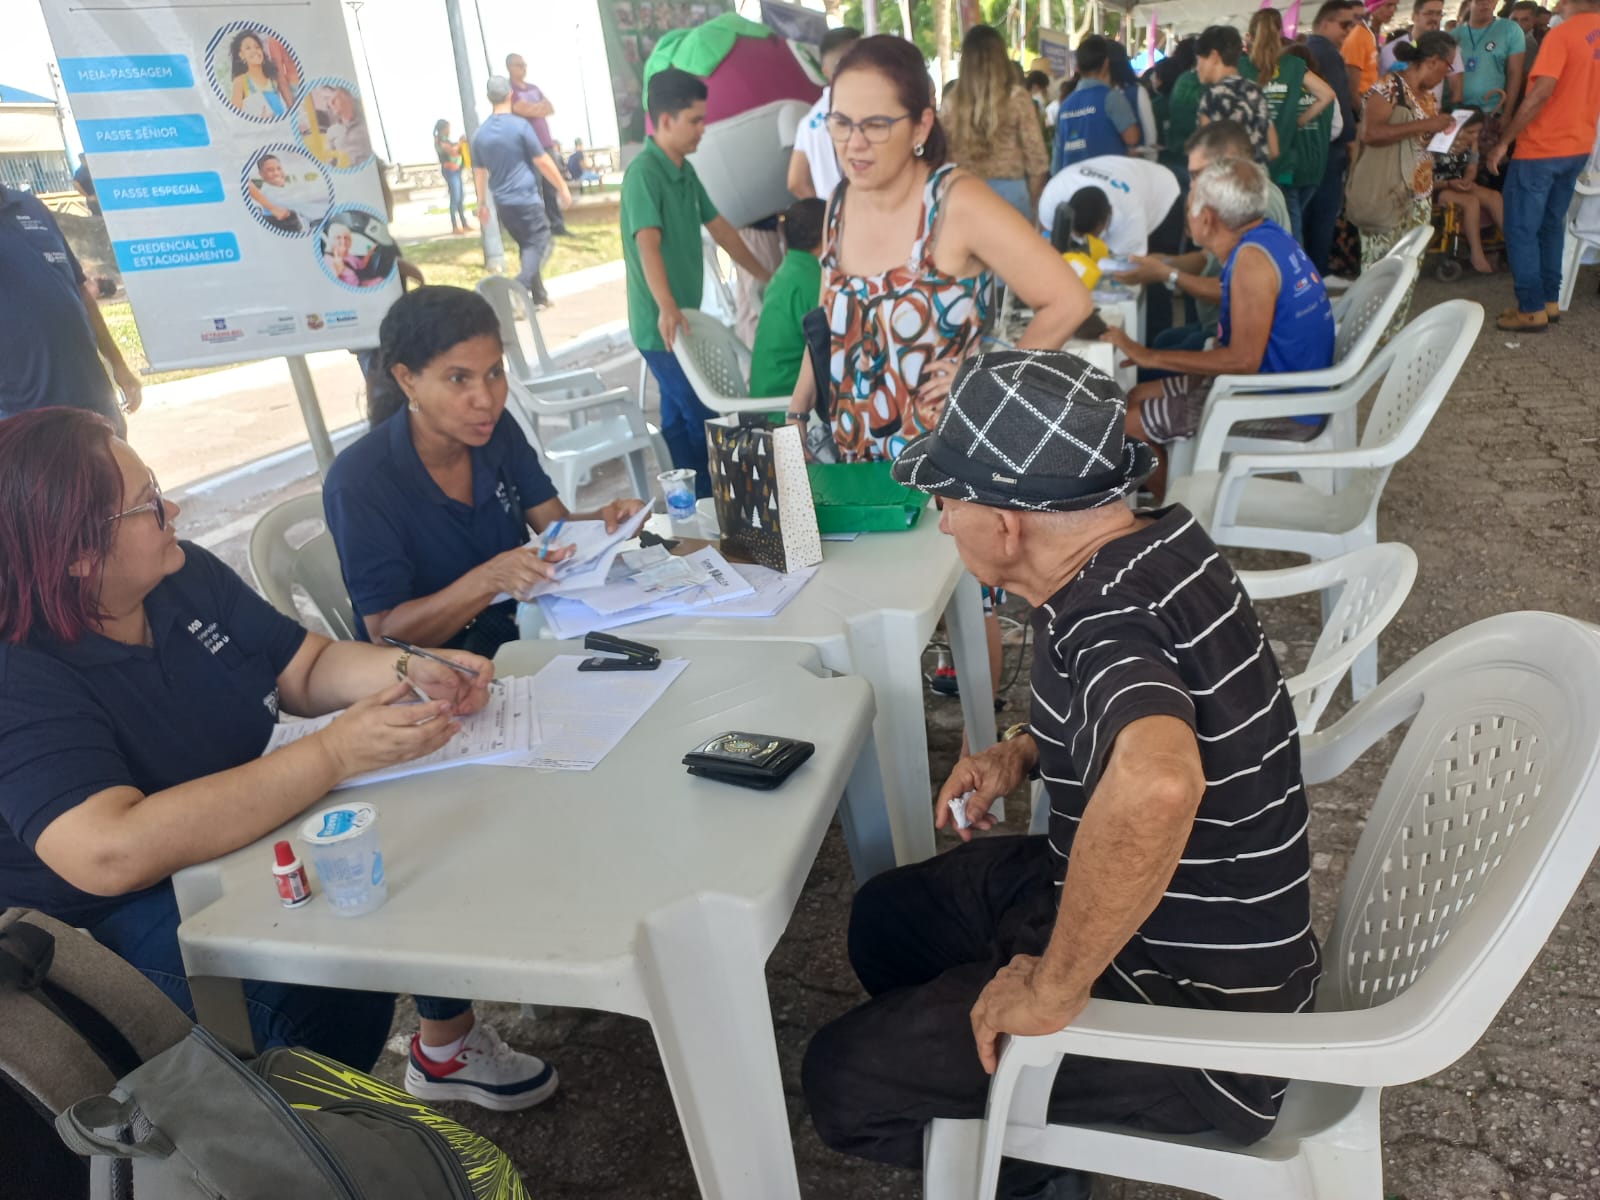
(1497, 503)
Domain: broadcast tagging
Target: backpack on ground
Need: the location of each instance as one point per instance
(163, 1111)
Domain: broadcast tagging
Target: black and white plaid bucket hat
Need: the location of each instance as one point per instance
(1039, 430)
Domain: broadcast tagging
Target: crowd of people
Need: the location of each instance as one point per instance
(140, 677)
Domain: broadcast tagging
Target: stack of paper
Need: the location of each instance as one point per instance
(507, 726)
(585, 714)
(748, 591)
(593, 552)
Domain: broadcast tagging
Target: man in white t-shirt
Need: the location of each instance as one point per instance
(1426, 17)
(1141, 195)
(295, 205)
(814, 167)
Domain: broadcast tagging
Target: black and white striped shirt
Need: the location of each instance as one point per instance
(1157, 624)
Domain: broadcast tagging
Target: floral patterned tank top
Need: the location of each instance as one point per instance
(886, 328)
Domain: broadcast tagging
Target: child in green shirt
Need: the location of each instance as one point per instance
(794, 291)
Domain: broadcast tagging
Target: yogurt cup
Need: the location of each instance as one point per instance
(342, 844)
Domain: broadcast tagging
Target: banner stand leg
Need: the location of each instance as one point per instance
(305, 391)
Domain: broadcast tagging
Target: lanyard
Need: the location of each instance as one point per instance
(1486, 29)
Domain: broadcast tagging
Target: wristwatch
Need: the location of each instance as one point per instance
(1172, 279)
(1015, 732)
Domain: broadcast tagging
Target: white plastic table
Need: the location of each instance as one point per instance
(869, 611)
(635, 888)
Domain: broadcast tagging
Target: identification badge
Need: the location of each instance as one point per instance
(1472, 63)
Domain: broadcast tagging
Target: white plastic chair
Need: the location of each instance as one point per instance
(282, 560)
(1372, 585)
(510, 300)
(717, 365)
(1361, 317)
(612, 426)
(1238, 508)
(1484, 827)
(1411, 246)
(717, 302)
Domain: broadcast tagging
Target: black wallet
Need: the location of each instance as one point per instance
(754, 760)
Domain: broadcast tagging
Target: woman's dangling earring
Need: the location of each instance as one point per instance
(411, 406)
(917, 149)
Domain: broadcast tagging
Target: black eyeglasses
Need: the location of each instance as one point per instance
(875, 129)
(156, 505)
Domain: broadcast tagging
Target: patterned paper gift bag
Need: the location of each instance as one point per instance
(758, 476)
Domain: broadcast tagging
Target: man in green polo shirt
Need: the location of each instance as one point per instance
(663, 208)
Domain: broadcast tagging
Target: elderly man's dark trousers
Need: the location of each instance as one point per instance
(924, 941)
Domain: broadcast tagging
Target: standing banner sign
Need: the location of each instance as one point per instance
(1055, 48)
(235, 173)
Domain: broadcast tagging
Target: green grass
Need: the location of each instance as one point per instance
(455, 261)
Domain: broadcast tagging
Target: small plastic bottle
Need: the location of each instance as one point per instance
(290, 875)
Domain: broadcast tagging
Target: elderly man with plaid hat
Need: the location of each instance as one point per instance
(1176, 867)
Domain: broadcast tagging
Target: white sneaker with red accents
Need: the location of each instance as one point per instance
(485, 1072)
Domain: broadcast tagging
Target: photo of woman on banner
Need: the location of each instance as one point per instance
(356, 249)
(332, 125)
(254, 71)
(286, 191)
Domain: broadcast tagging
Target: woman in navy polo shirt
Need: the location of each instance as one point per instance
(431, 509)
(140, 680)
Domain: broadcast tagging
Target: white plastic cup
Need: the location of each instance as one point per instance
(677, 488)
(342, 844)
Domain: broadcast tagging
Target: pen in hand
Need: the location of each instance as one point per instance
(419, 652)
(549, 536)
(422, 696)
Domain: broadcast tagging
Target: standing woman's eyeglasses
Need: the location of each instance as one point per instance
(156, 505)
(874, 129)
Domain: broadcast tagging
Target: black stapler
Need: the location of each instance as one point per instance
(618, 654)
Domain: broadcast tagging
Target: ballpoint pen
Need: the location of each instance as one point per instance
(549, 536)
(419, 652)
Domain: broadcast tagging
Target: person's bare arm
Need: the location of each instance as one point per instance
(120, 840)
(1377, 131)
(1003, 240)
(1514, 77)
(480, 185)
(1273, 149)
(1322, 96)
(799, 180)
(1254, 296)
(1353, 74)
(1539, 92)
(1127, 847)
(546, 166)
(654, 266)
(1452, 88)
(1130, 135)
(726, 236)
(125, 376)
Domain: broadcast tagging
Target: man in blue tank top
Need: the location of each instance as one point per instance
(1281, 321)
(1095, 118)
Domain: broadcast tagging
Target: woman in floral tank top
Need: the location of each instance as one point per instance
(912, 249)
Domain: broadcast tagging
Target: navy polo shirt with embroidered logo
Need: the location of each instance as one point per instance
(400, 537)
(47, 349)
(78, 718)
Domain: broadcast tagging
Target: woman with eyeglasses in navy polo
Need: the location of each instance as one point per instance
(140, 680)
(431, 510)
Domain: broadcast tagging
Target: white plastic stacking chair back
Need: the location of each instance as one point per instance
(1419, 365)
(283, 554)
(511, 300)
(1411, 246)
(716, 357)
(719, 299)
(1372, 584)
(1486, 822)
(1369, 304)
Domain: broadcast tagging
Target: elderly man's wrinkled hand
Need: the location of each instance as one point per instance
(987, 777)
(1019, 1001)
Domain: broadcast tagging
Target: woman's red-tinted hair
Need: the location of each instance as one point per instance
(58, 484)
(900, 62)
